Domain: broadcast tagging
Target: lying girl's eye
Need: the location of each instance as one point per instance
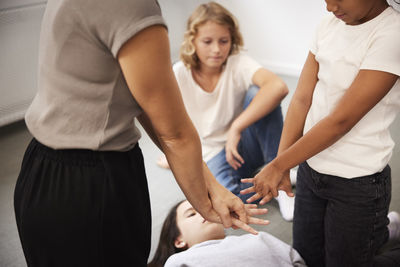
(192, 214)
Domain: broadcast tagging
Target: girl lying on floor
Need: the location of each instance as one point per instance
(187, 239)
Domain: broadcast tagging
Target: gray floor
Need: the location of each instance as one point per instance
(163, 188)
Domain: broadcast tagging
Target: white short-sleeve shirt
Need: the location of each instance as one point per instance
(213, 113)
(342, 51)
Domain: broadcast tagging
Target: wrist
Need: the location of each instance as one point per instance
(204, 207)
(236, 126)
(278, 166)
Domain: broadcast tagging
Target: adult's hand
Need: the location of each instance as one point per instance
(231, 210)
(267, 183)
(231, 153)
(251, 210)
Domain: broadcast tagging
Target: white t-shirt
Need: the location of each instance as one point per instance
(341, 51)
(244, 251)
(213, 113)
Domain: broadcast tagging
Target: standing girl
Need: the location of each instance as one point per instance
(232, 100)
(338, 120)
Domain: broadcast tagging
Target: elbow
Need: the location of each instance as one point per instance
(275, 89)
(282, 90)
(179, 137)
(341, 125)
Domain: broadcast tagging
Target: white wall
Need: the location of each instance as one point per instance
(19, 39)
(276, 33)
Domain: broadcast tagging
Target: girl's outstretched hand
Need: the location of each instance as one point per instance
(267, 183)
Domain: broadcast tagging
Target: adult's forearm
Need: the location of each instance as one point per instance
(148, 127)
(183, 151)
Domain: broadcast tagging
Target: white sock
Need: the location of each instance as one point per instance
(394, 225)
(286, 205)
(293, 176)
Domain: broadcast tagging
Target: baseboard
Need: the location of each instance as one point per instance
(282, 68)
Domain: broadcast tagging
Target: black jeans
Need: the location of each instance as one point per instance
(83, 208)
(340, 222)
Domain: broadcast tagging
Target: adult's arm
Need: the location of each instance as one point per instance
(272, 90)
(146, 65)
(367, 89)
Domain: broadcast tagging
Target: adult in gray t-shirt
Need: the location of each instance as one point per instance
(83, 100)
(81, 198)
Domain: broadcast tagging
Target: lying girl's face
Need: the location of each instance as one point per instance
(194, 228)
(354, 12)
(212, 43)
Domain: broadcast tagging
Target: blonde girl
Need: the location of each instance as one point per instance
(232, 100)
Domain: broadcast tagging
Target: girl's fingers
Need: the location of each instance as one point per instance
(266, 198)
(258, 221)
(237, 156)
(252, 212)
(253, 198)
(250, 206)
(247, 180)
(235, 164)
(274, 191)
(245, 227)
(287, 189)
(247, 190)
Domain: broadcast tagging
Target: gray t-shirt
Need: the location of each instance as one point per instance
(83, 100)
(245, 250)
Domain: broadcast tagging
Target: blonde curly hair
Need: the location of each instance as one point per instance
(208, 12)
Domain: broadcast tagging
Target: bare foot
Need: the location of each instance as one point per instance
(162, 162)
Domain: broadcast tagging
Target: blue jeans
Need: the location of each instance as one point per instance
(258, 146)
(338, 221)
